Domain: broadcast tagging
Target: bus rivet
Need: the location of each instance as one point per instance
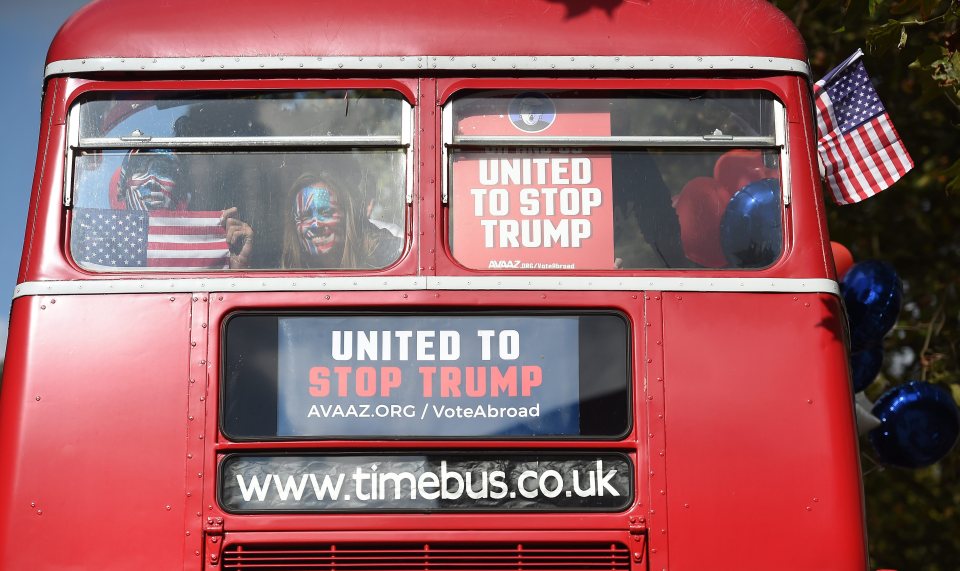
(167, 507)
(33, 504)
(326, 297)
(190, 417)
(203, 361)
(52, 301)
(193, 380)
(219, 298)
(200, 437)
(686, 505)
(633, 519)
(189, 456)
(38, 397)
(201, 398)
(199, 475)
(193, 343)
(637, 555)
(809, 509)
(173, 298)
(197, 553)
(188, 533)
(194, 298)
(43, 307)
(203, 325)
(204, 297)
(39, 512)
(649, 397)
(663, 492)
(189, 494)
(214, 539)
(649, 360)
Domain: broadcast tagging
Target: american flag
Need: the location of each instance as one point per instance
(160, 240)
(860, 151)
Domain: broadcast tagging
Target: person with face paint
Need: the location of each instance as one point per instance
(153, 181)
(327, 228)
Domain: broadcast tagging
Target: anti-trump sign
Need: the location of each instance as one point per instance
(437, 376)
(534, 208)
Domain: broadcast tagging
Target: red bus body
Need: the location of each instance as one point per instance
(741, 436)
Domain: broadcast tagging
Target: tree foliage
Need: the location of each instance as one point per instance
(913, 55)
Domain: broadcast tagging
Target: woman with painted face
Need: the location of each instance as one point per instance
(328, 228)
(153, 180)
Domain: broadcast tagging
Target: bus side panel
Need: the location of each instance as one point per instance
(93, 429)
(761, 450)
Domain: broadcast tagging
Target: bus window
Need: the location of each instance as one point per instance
(577, 180)
(265, 180)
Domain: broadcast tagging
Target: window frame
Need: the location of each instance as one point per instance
(450, 90)
(408, 91)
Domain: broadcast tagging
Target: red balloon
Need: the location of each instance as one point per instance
(700, 206)
(842, 258)
(737, 168)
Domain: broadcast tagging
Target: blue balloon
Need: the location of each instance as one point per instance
(872, 293)
(865, 366)
(920, 423)
(750, 230)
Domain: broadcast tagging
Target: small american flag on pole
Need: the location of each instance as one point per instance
(860, 151)
(153, 240)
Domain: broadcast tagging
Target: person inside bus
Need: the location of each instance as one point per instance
(153, 181)
(327, 227)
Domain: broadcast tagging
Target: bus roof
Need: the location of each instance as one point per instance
(117, 29)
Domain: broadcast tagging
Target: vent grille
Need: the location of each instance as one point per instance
(429, 557)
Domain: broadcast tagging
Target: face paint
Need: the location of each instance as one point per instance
(152, 186)
(319, 223)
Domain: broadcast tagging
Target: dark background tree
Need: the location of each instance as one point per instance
(911, 46)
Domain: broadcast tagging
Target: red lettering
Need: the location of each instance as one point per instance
(501, 383)
(390, 380)
(366, 381)
(532, 377)
(320, 379)
(449, 382)
(476, 384)
(342, 381)
(427, 373)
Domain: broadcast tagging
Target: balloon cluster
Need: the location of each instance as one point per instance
(917, 423)
(732, 218)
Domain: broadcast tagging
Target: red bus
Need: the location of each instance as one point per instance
(441, 285)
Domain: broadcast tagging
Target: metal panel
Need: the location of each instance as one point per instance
(620, 63)
(470, 283)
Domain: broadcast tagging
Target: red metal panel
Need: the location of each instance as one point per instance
(93, 431)
(223, 304)
(182, 28)
(762, 458)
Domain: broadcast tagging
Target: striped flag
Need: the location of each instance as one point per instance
(153, 240)
(860, 151)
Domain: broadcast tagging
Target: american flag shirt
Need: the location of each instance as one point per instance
(860, 152)
(153, 240)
